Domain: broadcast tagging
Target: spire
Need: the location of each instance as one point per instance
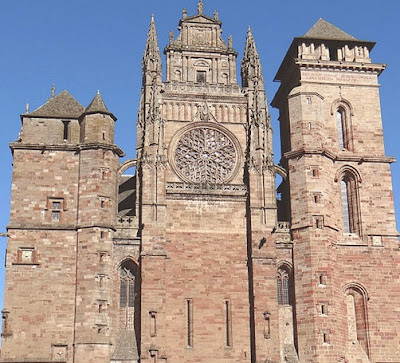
(250, 50)
(251, 65)
(152, 56)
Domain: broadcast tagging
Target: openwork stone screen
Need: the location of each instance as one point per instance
(205, 155)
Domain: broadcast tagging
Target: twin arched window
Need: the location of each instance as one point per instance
(284, 282)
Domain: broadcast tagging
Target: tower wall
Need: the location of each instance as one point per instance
(332, 261)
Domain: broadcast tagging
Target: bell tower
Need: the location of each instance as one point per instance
(339, 197)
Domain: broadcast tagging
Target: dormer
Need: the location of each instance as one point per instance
(199, 54)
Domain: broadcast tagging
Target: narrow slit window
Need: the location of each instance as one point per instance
(66, 131)
(189, 322)
(345, 206)
(341, 128)
(228, 328)
(153, 323)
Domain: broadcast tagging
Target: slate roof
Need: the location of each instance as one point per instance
(61, 106)
(97, 105)
(322, 29)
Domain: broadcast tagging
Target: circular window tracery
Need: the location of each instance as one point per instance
(205, 155)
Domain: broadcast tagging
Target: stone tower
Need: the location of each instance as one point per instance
(338, 196)
(192, 257)
(60, 234)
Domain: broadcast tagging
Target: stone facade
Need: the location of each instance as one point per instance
(192, 258)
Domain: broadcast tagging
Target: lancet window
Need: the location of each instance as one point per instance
(282, 281)
(350, 204)
(127, 295)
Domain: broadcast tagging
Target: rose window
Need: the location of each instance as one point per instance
(205, 155)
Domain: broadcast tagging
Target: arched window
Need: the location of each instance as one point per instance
(350, 204)
(342, 111)
(127, 295)
(343, 137)
(282, 281)
(357, 317)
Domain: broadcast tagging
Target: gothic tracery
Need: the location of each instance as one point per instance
(205, 155)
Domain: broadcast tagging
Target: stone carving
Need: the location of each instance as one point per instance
(203, 113)
(205, 155)
(201, 36)
(200, 7)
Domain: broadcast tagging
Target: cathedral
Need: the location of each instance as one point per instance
(190, 252)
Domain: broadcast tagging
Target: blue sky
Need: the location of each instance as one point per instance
(86, 45)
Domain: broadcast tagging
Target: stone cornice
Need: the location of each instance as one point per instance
(338, 157)
(341, 66)
(66, 147)
(65, 227)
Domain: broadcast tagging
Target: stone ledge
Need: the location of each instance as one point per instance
(179, 189)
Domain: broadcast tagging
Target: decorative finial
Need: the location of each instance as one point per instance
(249, 29)
(53, 90)
(184, 13)
(27, 108)
(216, 15)
(200, 7)
(230, 42)
(171, 37)
(98, 91)
(152, 18)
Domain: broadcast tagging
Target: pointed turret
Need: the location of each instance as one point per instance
(152, 57)
(98, 106)
(97, 123)
(251, 66)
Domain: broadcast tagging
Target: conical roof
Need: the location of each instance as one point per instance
(98, 106)
(322, 29)
(61, 106)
